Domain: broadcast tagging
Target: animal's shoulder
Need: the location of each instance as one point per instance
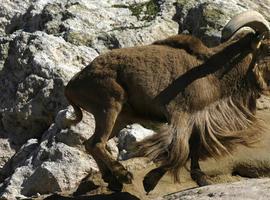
(189, 43)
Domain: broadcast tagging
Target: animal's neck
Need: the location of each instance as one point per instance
(236, 61)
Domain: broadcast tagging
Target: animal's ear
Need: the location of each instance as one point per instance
(257, 41)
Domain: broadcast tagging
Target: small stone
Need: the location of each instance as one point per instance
(128, 136)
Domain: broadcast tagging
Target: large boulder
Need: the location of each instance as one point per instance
(246, 189)
(57, 163)
(102, 24)
(205, 19)
(32, 78)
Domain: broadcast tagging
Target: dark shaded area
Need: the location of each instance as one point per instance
(199, 20)
(110, 41)
(114, 196)
(225, 59)
(84, 187)
(251, 171)
(46, 184)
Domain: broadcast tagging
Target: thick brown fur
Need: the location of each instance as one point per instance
(192, 45)
(200, 92)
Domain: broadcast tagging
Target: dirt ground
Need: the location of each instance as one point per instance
(243, 163)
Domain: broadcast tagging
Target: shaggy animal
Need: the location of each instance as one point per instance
(205, 98)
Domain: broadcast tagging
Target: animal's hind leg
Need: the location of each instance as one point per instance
(107, 176)
(195, 171)
(105, 117)
(103, 97)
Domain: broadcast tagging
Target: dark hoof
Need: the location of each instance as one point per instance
(148, 184)
(203, 181)
(152, 178)
(200, 178)
(115, 185)
(126, 177)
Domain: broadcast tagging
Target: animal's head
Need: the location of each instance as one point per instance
(260, 43)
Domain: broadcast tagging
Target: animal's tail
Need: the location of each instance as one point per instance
(77, 110)
(170, 147)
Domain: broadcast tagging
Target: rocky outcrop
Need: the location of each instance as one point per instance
(247, 189)
(43, 43)
(205, 19)
(33, 75)
(99, 24)
(57, 163)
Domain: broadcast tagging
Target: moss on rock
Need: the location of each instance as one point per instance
(143, 11)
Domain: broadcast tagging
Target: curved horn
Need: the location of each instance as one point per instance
(250, 19)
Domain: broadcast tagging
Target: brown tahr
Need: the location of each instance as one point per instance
(205, 98)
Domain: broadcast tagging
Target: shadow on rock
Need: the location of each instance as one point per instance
(114, 196)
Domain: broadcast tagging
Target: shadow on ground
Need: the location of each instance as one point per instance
(114, 196)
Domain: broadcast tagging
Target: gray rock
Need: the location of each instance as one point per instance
(246, 189)
(46, 182)
(10, 15)
(16, 170)
(32, 81)
(102, 24)
(57, 163)
(263, 103)
(128, 136)
(6, 152)
(205, 19)
(74, 135)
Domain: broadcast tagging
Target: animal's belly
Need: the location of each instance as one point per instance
(142, 90)
(145, 107)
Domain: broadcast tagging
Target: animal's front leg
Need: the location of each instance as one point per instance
(195, 171)
(199, 177)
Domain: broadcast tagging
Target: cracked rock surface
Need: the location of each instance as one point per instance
(247, 189)
(33, 75)
(43, 43)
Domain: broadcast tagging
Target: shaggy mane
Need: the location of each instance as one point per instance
(220, 126)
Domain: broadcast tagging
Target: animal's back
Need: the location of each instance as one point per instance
(144, 72)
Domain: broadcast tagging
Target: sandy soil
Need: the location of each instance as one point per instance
(244, 163)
